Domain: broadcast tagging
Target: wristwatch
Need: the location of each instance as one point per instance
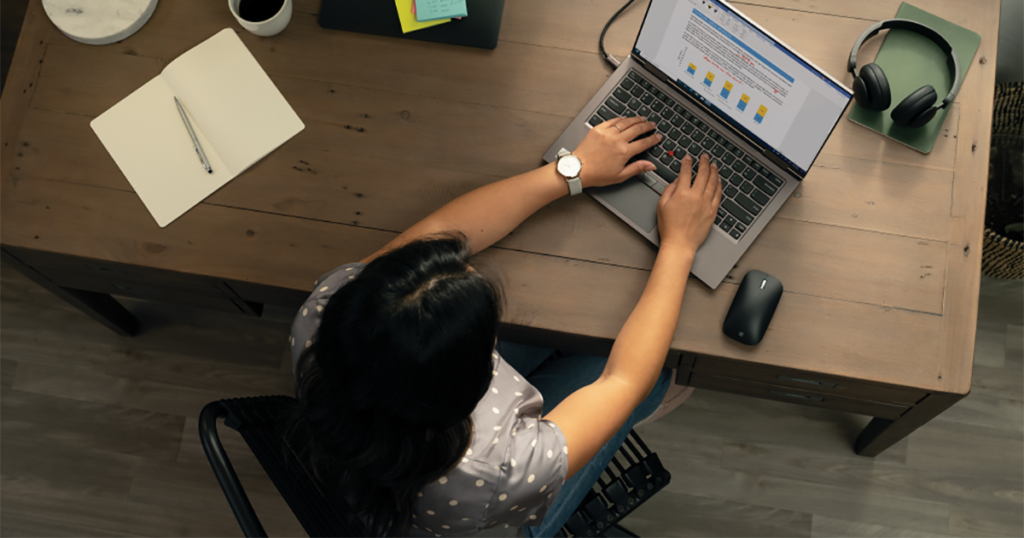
(569, 166)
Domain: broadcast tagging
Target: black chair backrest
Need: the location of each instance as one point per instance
(258, 419)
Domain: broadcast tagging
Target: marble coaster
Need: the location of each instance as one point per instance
(99, 22)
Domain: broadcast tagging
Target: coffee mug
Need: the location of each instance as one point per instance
(273, 14)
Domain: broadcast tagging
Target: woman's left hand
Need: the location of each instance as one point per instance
(609, 146)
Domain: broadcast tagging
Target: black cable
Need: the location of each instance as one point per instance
(600, 43)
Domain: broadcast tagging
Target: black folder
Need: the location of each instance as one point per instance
(479, 29)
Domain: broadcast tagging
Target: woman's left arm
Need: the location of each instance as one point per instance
(487, 214)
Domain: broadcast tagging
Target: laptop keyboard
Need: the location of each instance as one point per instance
(747, 187)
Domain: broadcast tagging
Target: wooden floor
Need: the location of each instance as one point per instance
(99, 437)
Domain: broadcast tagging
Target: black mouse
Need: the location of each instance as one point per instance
(752, 308)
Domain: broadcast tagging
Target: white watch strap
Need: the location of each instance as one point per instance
(575, 185)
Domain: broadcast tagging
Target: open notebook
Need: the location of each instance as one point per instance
(238, 115)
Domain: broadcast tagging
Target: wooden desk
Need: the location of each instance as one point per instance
(879, 249)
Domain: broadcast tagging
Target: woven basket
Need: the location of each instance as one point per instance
(1003, 257)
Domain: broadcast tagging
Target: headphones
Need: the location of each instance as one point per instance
(871, 88)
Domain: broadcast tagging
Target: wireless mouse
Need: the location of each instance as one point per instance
(752, 308)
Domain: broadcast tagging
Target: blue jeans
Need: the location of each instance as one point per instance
(557, 376)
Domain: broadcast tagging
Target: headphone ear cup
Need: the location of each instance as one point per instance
(916, 109)
(871, 88)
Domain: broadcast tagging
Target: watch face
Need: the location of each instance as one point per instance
(569, 166)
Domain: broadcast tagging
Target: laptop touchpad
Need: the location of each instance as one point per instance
(636, 201)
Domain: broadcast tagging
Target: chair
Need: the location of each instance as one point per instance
(321, 512)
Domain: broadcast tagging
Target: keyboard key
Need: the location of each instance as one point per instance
(606, 114)
(677, 120)
(775, 180)
(725, 172)
(718, 219)
(687, 115)
(722, 213)
(633, 75)
(681, 110)
(736, 234)
(634, 104)
(758, 196)
(668, 114)
(741, 227)
(621, 95)
(736, 179)
(747, 204)
(746, 187)
(748, 160)
(657, 106)
(763, 184)
(660, 95)
(695, 150)
(595, 121)
(718, 151)
(656, 151)
(664, 126)
(666, 159)
(737, 211)
(697, 136)
(644, 110)
(739, 167)
(749, 173)
(618, 107)
(684, 140)
(637, 91)
(628, 113)
(647, 99)
(731, 191)
(702, 126)
(728, 158)
(708, 143)
(730, 147)
(730, 220)
(654, 118)
(688, 128)
(628, 84)
(668, 145)
(675, 167)
(646, 85)
(674, 134)
(663, 171)
(724, 226)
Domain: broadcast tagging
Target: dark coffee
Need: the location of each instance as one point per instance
(258, 10)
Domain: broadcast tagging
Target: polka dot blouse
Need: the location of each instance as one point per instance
(515, 465)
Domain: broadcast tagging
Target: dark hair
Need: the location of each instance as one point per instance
(400, 360)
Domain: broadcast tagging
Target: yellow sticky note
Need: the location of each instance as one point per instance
(408, 18)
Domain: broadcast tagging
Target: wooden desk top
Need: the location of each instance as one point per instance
(879, 249)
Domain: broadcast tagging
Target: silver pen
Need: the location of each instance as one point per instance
(195, 139)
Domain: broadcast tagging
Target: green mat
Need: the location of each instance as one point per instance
(911, 61)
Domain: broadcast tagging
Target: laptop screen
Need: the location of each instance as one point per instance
(747, 76)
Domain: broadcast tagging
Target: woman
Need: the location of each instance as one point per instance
(429, 425)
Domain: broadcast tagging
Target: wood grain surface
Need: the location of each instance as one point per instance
(100, 437)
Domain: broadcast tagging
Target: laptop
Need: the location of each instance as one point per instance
(714, 82)
(479, 29)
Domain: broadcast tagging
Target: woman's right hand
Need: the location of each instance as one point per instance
(685, 212)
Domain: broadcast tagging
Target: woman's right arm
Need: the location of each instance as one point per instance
(590, 416)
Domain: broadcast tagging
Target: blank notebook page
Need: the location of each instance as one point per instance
(237, 113)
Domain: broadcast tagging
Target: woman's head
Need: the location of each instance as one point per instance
(413, 334)
(401, 358)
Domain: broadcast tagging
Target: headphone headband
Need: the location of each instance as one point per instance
(904, 24)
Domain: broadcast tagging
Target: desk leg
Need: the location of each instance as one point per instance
(881, 433)
(98, 306)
